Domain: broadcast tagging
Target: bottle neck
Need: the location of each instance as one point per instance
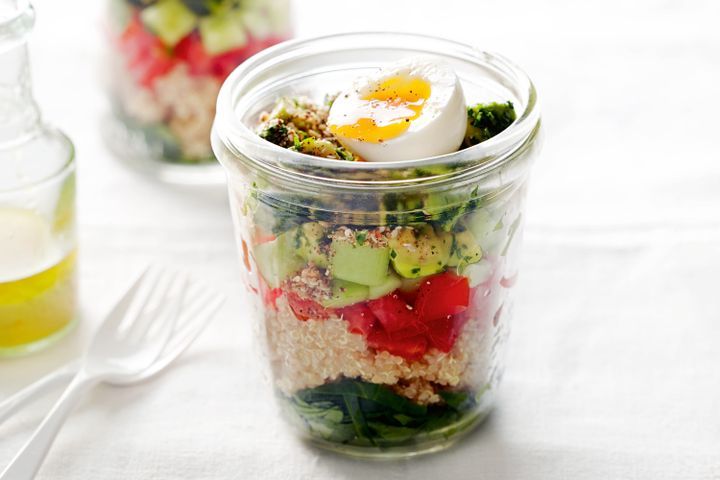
(19, 114)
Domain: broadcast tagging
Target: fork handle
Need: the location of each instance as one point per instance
(27, 462)
(33, 391)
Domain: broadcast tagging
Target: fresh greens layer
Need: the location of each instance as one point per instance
(367, 414)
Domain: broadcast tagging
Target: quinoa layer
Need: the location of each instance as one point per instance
(310, 353)
(183, 102)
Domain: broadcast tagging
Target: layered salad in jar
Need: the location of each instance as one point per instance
(383, 333)
(168, 60)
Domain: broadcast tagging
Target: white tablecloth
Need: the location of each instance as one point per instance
(613, 368)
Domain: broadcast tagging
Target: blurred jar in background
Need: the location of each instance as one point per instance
(37, 203)
(168, 59)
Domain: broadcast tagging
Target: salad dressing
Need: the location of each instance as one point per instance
(37, 198)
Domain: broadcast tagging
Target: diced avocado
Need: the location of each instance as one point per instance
(391, 283)
(420, 252)
(310, 239)
(277, 259)
(222, 32)
(170, 20)
(345, 293)
(466, 250)
(364, 264)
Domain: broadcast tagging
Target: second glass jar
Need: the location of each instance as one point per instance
(167, 61)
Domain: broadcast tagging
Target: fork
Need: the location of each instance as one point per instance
(200, 307)
(127, 342)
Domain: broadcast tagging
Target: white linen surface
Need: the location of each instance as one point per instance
(613, 369)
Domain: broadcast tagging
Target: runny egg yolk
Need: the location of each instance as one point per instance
(384, 112)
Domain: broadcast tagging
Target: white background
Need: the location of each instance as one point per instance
(614, 361)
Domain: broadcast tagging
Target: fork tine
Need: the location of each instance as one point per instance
(156, 309)
(196, 318)
(160, 321)
(121, 307)
(154, 277)
(183, 339)
(188, 320)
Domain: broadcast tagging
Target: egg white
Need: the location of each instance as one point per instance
(439, 129)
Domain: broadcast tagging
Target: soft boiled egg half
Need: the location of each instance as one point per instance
(410, 110)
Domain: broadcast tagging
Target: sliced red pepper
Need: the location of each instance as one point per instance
(360, 318)
(441, 296)
(306, 309)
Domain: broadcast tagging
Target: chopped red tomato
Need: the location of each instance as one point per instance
(393, 324)
(269, 295)
(304, 308)
(145, 55)
(395, 315)
(409, 295)
(191, 51)
(442, 295)
(442, 334)
(360, 318)
(411, 348)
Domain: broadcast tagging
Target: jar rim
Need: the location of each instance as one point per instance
(235, 135)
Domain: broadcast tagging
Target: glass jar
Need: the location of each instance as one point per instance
(342, 256)
(37, 204)
(167, 61)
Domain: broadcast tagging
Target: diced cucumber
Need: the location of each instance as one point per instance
(170, 20)
(257, 23)
(410, 284)
(277, 260)
(345, 293)
(362, 264)
(391, 283)
(222, 32)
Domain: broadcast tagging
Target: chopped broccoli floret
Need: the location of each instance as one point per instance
(485, 120)
(321, 148)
